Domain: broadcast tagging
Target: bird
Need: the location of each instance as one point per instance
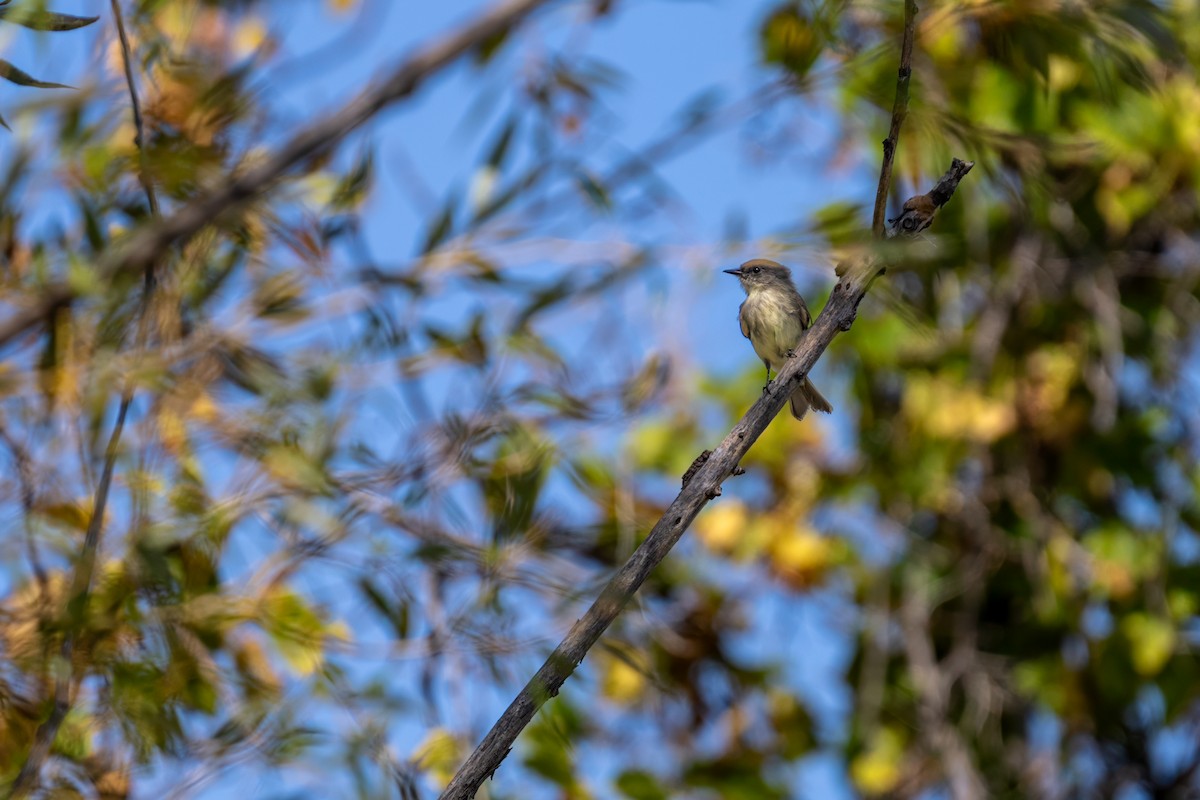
(774, 317)
(916, 215)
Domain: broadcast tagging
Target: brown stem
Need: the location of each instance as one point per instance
(933, 696)
(899, 112)
(140, 138)
(85, 567)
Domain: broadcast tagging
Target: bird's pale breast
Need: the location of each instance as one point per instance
(772, 326)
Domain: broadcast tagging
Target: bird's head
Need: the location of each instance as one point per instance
(761, 273)
(916, 216)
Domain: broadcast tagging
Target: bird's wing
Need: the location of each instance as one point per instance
(802, 312)
(742, 320)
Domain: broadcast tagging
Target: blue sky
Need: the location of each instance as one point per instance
(668, 53)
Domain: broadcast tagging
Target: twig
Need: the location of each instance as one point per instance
(140, 138)
(85, 568)
(25, 481)
(933, 701)
(148, 243)
(702, 485)
(899, 112)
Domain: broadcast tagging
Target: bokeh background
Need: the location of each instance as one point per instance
(395, 422)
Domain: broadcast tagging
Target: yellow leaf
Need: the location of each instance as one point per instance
(947, 410)
(1119, 559)
(942, 38)
(340, 631)
(172, 431)
(877, 769)
(801, 556)
(1152, 641)
(296, 630)
(1049, 375)
(252, 662)
(74, 515)
(438, 755)
(721, 526)
(292, 467)
(248, 37)
(203, 407)
(622, 682)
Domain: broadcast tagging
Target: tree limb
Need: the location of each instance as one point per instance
(702, 485)
(704, 478)
(147, 244)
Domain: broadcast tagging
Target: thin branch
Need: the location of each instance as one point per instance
(702, 485)
(81, 585)
(25, 481)
(933, 696)
(140, 138)
(899, 112)
(148, 243)
(85, 567)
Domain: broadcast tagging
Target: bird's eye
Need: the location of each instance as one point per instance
(756, 270)
(909, 223)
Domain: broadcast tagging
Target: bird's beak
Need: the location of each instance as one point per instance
(737, 272)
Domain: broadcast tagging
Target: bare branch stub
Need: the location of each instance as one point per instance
(941, 193)
(695, 467)
(899, 112)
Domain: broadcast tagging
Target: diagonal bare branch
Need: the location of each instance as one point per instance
(703, 485)
(704, 480)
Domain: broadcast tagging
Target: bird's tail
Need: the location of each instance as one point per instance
(806, 397)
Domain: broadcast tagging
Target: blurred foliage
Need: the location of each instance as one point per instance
(358, 500)
(35, 16)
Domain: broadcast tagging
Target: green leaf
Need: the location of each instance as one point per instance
(395, 611)
(440, 230)
(490, 46)
(296, 629)
(352, 188)
(594, 190)
(11, 73)
(500, 148)
(41, 20)
(1152, 641)
(640, 785)
(791, 40)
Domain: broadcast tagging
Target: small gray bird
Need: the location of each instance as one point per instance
(773, 317)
